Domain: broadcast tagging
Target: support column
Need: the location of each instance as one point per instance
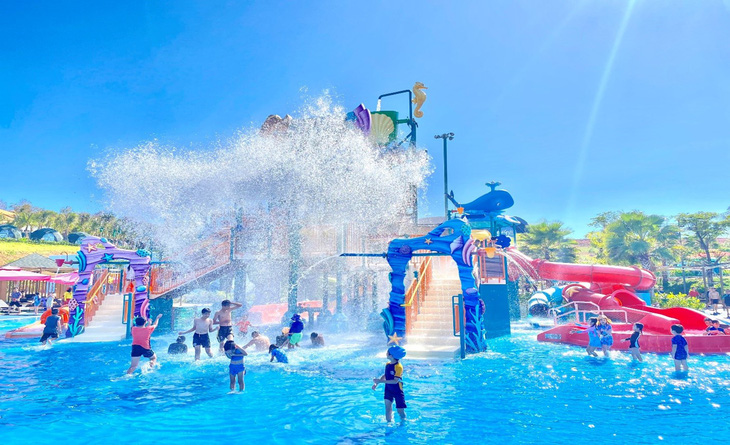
(239, 286)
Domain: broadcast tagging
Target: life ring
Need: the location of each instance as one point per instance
(62, 312)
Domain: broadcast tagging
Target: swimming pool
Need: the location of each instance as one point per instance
(521, 391)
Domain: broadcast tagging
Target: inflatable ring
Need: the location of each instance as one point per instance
(62, 312)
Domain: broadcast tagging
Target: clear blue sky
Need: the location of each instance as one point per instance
(575, 106)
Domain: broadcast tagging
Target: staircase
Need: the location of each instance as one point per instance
(106, 324)
(432, 333)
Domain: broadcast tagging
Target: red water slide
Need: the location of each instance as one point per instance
(635, 277)
(612, 288)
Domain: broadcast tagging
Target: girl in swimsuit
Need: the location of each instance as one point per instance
(594, 341)
(634, 339)
(604, 330)
(236, 369)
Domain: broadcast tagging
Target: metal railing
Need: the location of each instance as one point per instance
(582, 315)
(491, 270)
(416, 292)
(167, 276)
(95, 295)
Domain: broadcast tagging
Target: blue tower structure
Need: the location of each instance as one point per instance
(487, 213)
(453, 238)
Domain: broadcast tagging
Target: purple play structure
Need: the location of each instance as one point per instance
(95, 251)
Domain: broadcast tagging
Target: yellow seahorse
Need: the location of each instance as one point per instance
(419, 97)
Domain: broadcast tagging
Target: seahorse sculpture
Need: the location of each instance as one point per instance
(419, 97)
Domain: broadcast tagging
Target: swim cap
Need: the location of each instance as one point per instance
(296, 317)
(397, 352)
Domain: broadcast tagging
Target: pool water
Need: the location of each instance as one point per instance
(521, 391)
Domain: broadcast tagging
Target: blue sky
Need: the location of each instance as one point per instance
(575, 106)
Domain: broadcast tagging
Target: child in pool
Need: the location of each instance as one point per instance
(295, 331)
(715, 329)
(277, 354)
(634, 339)
(236, 369)
(605, 330)
(680, 349)
(594, 340)
(393, 380)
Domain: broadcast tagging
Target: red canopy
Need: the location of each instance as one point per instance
(15, 274)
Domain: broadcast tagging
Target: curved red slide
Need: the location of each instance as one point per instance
(635, 277)
(613, 290)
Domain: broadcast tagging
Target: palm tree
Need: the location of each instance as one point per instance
(23, 217)
(635, 237)
(668, 249)
(66, 219)
(47, 218)
(548, 240)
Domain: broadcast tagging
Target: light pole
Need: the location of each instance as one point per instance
(446, 137)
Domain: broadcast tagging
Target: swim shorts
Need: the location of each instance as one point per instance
(295, 338)
(46, 335)
(141, 351)
(201, 340)
(235, 368)
(223, 332)
(397, 394)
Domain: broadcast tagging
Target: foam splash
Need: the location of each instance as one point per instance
(321, 171)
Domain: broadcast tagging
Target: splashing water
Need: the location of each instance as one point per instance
(321, 171)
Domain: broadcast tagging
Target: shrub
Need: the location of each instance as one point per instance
(679, 300)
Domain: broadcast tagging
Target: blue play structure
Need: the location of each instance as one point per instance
(454, 238)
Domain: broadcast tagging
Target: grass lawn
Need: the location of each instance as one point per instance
(14, 250)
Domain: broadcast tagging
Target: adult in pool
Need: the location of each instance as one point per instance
(259, 340)
(295, 331)
(594, 340)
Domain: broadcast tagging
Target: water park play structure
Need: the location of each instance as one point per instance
(451, 286)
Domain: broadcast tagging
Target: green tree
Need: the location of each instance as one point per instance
(549, 240)
(24, 217)
(66, 219)
(705, 228)
(668, 249)
(633, 238)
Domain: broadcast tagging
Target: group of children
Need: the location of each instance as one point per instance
(203, 325)
(600, 336)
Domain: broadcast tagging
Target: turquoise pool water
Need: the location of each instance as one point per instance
(521, 391)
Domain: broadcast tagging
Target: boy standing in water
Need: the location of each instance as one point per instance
(393, 380)
(223, 319)
(202, 327)
(680, 349)
(634, 342)
(53, 327)
(141, 342)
